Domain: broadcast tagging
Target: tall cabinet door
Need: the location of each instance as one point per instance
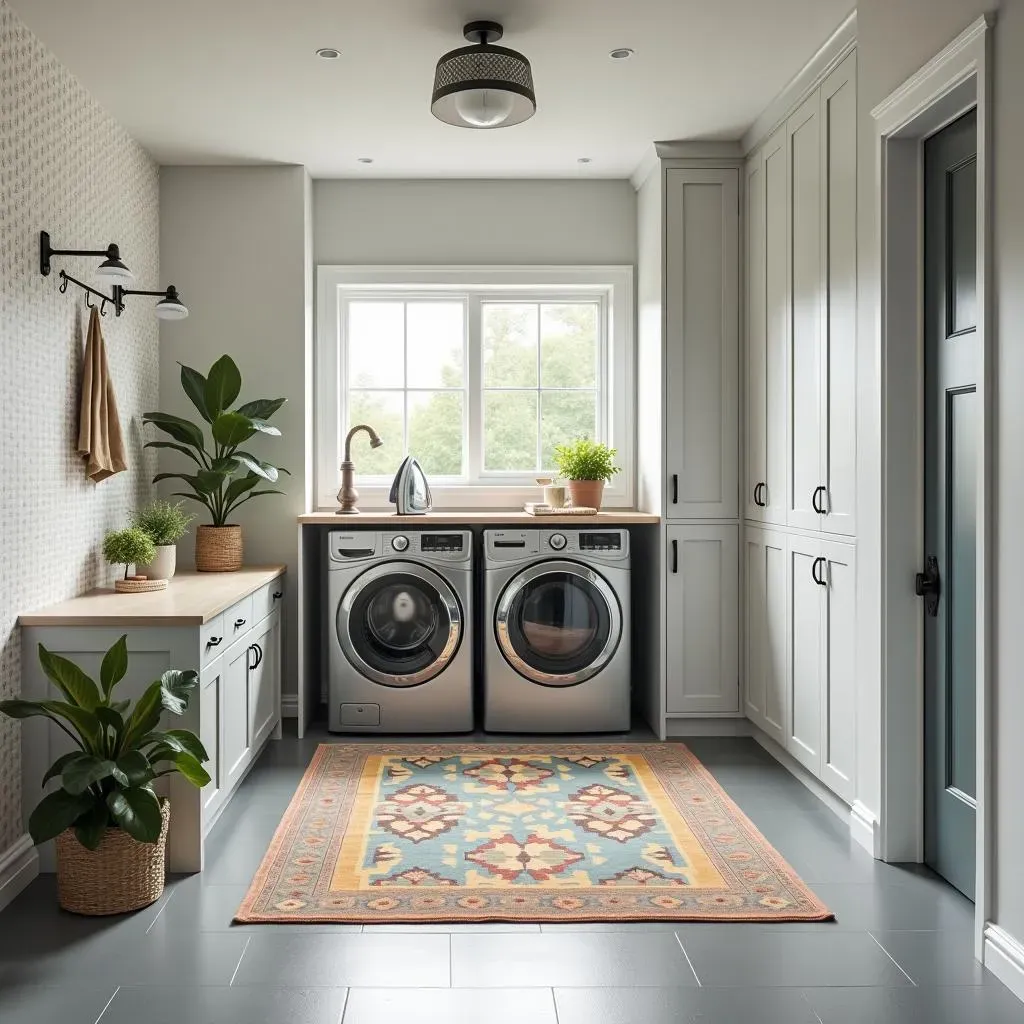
(838, 669)
(803, 132)
(776, 281)
(805, 584)
(702, 610)
(756, 347)
(765, 643)
(838, 363)
(702, 343)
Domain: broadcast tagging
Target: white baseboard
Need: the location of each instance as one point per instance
(19, 865)
(864, 829)
(289, 705)
(838, 806)
(1004, 957)
(678, 728)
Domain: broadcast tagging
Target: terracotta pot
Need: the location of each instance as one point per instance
(163, 565)
(119, 876)
(219, 548)
(585, 493)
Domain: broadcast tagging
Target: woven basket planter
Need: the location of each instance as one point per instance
(219, 548)
(139, 586)
(119, 876)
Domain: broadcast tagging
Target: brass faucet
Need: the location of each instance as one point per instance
(348, 495)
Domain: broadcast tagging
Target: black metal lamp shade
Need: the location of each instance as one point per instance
(483, 86)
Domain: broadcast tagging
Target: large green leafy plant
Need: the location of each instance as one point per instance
(226, 475)
(107, 781)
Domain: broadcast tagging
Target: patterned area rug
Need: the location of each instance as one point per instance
(438, 833)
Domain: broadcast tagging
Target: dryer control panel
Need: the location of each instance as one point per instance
(517, 545)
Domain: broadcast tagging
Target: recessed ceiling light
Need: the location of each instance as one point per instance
(583, 160)
(328, 53)
(621, 53)
(365, 159)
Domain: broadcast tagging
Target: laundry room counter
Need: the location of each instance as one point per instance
(610, 517)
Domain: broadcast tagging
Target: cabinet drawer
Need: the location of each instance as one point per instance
(267, 598)
(238, 619)
(212, 639)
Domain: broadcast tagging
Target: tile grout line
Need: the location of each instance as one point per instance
(163, 907)
(234, 973)
(696, 977)
(451, 966)
(893, 959)
(107, 1007)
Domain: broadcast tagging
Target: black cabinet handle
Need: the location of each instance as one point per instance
(278, 595)
(758, 499)
(259, 655)
(675, 556)
(928, 584)
(820, 580)
(239, 623)
(249, 663)
(214, 641)
(675, 488)
(820, 509)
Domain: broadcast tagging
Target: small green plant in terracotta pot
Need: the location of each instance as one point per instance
(165, 523)
(586, 466)
(109, 824)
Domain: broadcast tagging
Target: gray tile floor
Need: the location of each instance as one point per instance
(900, 951)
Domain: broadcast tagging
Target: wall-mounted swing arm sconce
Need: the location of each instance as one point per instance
(170, 306)
(111, 268)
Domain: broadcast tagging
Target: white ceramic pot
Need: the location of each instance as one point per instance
(163, 565)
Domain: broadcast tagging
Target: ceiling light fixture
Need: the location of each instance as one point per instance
(111, 268)
(170, 306)
(483, 86)
(621, 53)
(328, 53)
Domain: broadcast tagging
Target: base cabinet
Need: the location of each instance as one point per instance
(702, 608)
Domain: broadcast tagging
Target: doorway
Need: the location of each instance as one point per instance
(952, 450)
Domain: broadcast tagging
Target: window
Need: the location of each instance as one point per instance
(477, 373)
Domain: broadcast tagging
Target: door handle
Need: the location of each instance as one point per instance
(820, 509)
(249, 663)
(758, 499)
(675, 488)
(675, 557)
(928, 584)
(820, 580)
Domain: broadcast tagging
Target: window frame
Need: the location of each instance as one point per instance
(612, 286)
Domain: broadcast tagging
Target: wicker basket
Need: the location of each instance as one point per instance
(121, 875)
(139, 586)
(219, 548)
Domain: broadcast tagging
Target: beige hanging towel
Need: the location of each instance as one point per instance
(99, 428)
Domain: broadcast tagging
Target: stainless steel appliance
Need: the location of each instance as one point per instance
(557, 630)
(410, 491)
(399, 625)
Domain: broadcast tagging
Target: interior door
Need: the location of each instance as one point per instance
(756, 350)
(765, 631)
(952, 452)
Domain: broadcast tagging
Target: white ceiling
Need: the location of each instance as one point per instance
(233, 81)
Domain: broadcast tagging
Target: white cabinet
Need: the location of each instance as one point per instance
(821, 731)
(235, 752)
(767, 331)
(765, 641)
(702, 342)
(264, 678)
(702, 601)
(802, 315)
(211, 680)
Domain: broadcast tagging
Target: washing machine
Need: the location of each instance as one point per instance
(557, 630)
(399, 623)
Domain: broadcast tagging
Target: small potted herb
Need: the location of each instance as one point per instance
(109, 824)
(586, 466)
(165, 523)
(131, 547)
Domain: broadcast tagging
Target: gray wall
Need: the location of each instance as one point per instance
(474, 222)
(895, 38)
(69, 169)
(233, 240)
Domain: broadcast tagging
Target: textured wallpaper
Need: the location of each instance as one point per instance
(68, 168)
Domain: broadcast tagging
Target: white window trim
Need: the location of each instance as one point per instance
(613, 283)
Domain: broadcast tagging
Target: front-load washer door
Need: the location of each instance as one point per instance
(558, 623)
(399, 624)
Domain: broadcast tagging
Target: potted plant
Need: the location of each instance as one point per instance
(586, 466)
(165, 523)
(109, 824)
(131, 547)
(225, 476)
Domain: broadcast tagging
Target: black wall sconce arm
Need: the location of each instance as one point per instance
(170, 306)
(111, 265)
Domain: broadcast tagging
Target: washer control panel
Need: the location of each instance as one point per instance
(557, 542)
(400, 543)
(437, 545)
(608, 545)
